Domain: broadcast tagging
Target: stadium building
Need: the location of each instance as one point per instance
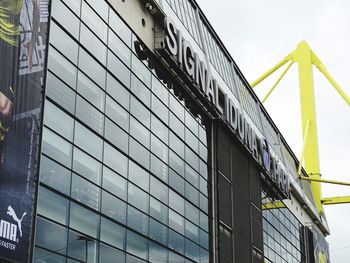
(136, 138)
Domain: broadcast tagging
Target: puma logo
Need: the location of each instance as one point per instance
(12, 213)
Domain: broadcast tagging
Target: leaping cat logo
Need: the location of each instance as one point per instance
(12, 213)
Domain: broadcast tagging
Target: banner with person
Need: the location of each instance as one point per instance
(23, 42)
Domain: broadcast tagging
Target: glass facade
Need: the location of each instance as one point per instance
(123, 172)
(282, 233)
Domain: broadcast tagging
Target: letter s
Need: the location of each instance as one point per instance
(170, 38)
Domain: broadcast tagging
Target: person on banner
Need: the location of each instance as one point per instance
(10, 13)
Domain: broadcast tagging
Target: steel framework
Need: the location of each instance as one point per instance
(306, 58)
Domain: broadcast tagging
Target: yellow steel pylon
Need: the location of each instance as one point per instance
(306, 58)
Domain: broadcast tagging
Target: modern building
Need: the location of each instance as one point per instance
(148, 146)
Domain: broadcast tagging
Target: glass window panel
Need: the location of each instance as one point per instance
(138, 198)
(176, 222)
(108, 254)
(57, 120)
(177, 145)
(57, 148)
(157, 253)
(176, 241)
(159, 190)
(93, 44)
(90, 91)
(100, 8)
(89, 115)
(203, 203)
(203, 169)
(115, 160)
(91, 68)
(87, 166)
(138, 176)
(54, 175)
(137, 220)
(160, 110)
(139, 153)
(159, 169)
(93, 21)
(82, 248)
(85, 192)
(137, 245)
(120, 71)
(191, 123)
(160, 90)
(65, 17)
(158, 211)
(192, 213)
(192, 250)
(192, 158)
(192, 176)
(114, 183)
(159, 129)
(176, 163)
(119, 48)
(117, 113)
(177, 126)
(176, 202)
(158, 232)
(119, 27)
(177, 108)
(203, 135)
(45, 256)
(140, 90)
(60, 93)
(204, 221)
(112, 233)
(74, 5)
(176, 258)
(118, 91)
(69, 47)
(159, 149)
(203, 151)
(117, 136)
(83, 138)
(63, 68)
(84, 220)
(140, 112)
(141, 70)
(177, 182)
(113, 207)
(51, 236)
(52, 206)
(192, 232)
(139, 132)
(192, 140)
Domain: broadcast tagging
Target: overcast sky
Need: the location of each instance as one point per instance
(258, 34)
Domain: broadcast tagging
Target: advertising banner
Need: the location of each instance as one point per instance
(23, 37)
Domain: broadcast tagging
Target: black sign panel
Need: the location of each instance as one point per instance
(23, 37)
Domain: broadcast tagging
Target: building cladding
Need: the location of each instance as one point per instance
(137, 164)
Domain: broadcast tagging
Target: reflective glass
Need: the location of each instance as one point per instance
(85, 192)
(114, 183)
(137, 220)
(138, 198)
(118, 92)
(84, 220)
(109, 254)
(115, 160)
(83, 138)
(87, 166)
(113, 207)
(138, 176)
(82, 248)
(158, 211)
(158, 232)
(112, 233)
(137, 245)
(90, 91)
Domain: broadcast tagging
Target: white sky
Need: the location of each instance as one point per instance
(258, 34)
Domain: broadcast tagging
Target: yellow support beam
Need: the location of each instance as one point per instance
(324, 181)
(273, 205)
(303, 56)
(278, 81)
(306, 58)
(270, 71)
(303, 149)
(336, 200)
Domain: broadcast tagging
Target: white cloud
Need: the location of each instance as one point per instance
(259, 33)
